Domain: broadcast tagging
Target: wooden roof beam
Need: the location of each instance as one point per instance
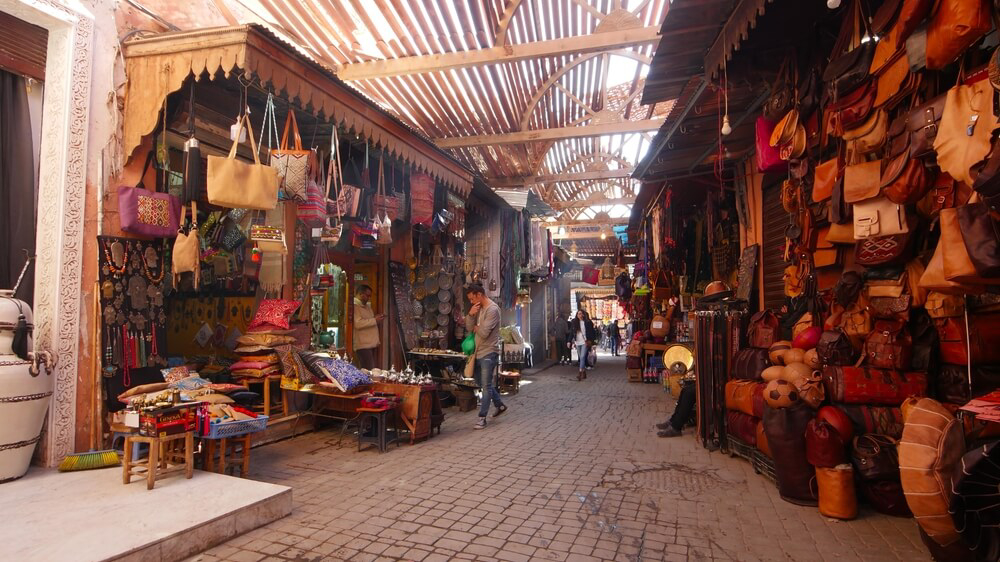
(602, 202)
(554, 178)
(587, 222)
(601, 41)
(576, 131)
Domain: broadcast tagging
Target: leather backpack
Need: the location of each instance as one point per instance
(749, 363)
(835, 348)
(763, 331)
(889, 345)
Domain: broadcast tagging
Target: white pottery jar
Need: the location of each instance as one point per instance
(24, 397)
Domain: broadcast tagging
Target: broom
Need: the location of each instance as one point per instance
(93, 459)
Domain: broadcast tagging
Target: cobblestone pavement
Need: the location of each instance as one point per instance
(573, 471)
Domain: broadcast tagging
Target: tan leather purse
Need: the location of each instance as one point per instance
(837, 497)
(879, 217)
(934, 278)
(966, 129)
(891, 76)
(825, 178)
(943, 305)
(954, 26)
(186, 255)
(841, 234)
(241, 185)
(957, 264)
(904, 179)
(861, 181)
(868, 137)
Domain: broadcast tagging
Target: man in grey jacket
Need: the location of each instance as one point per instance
(484, 321)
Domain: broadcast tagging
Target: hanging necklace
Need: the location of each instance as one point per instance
(116, 270)
(145, 269)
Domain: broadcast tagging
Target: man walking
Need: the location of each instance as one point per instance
(484, 321)
(561, 329)
(616, 336)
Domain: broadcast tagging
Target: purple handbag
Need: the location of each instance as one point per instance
(148, 213)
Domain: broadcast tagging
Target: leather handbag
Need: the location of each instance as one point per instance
(879, 217)
(837, 497)
(782, 97)
(824, 444)
(852, 109)
(848, 288)
(851, 57)
(954, 26)
(385, 205)
(785, 430)
(148, 213)
(811, 390)
(987, 183)
(883, 250)
(886, 497)
(932, 444)
(768, 157)
(292, 163)
(905, 180)
(891, 77)
(836, 348)
(313, 211)
(868, 385)
(958, 264)
(934, 278)
(824, 252)
(983, 335)
(749, 363)
(874, 457)
(867, 137)
(186, 254)
(953, 382)
(825, 176)
(861, 181)
(943, 305)
(857, 322)
(841, 234)
(874, 419)
(922, 125)
(911, 14)
(965, 132)
(237, 184)
(980, 228)
(763, 329)
(889, 345)
(944, 193)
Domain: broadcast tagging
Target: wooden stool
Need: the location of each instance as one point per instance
(223, 446)
(167, 455)
(508, 381)
(380, 417)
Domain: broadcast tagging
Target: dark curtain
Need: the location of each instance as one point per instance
(17, 186)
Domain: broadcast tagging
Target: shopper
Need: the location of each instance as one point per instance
(365, 328)
(584, 337)
(559, 332)
(616, 337)
(682, 412)
(484, 321)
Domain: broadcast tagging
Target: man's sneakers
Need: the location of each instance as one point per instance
(663, 425)
(669, 432)
(500, 410)
(481, 424)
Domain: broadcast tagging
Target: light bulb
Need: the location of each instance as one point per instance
(726, 128)
(833, 4)
(604, 236)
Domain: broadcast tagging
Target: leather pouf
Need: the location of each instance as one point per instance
(933, 443)
(785, 429)
(762, 445)
(742, 427)
(777, 351)
(955, 552)
(836, 492)
(974, 507)
(838, 419)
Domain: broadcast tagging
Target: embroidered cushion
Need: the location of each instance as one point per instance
(273, 313)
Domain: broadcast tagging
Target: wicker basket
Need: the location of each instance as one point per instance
(236, 428)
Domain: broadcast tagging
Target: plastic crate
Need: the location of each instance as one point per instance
(237, 428)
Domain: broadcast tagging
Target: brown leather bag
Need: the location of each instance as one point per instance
(879, 217)
(934, 278)
(763, 330)
(785, 429)
(981, 232)
(868, 136)
(958, 264)
(922, 125)
(905, 180)
(853, 109)
(890, 307)
(943, 305)
(837, 497)
(983, 335)
(874, 457)
(824, 445)
(911, 14)
(944, 193)
(825, 178)
(857, 322)
(811, 390)
(749, 363)
(889, 345)
(891, 78)
(836, 348)
(861, 181)
(851, 57)
(965, 131)
(954, 27)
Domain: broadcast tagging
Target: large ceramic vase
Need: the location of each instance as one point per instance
(24, 397)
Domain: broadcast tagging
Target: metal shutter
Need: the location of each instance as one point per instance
(775, 220)
(22, 47)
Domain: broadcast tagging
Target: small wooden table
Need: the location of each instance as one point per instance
(223, 446)
(165, 457)
(421, 410)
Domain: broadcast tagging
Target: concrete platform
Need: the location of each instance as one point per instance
(91, 515)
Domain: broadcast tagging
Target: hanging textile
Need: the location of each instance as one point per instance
(17, 186)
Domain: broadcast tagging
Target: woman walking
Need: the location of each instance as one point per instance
(584, 335)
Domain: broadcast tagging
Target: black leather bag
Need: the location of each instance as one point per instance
(749, 363)
(785, 429)
(875, 458)
(835, 348)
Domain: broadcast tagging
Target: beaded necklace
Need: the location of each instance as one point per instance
(117, 271)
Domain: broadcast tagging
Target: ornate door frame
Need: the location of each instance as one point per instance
(61, 200)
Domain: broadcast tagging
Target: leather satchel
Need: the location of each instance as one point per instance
(954, 27)
(851, 58)
(911, 14)
(883, 250)
(966, 129)
(749, 363)
(242, 185)
(824, 445)
(836, 348)
(875, 457)
(980, 230)
(868, 385)
(922, 125)
(785, 430)
(943, 305)
(879, 217)
(852, 110)
(782, 96)
(825, 177)
(857, 322)
(983, 335)
(890, 307)
(862, 181)
(944, 193)
(905, 180)
(867, 137)
(764, 327)
(837, 497)
(889, 345)
(186, 255)
(811, 390)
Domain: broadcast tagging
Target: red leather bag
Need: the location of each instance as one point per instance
(984, 330)
(768, 157)
(749, 363)
(742, 426)
(824, 445)
(954, 27)
(867, 385)
(889, 345)
(763, 329)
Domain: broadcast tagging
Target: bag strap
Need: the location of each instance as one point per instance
(380, 188)
(293, 125)
(145, 168)
(245, 119)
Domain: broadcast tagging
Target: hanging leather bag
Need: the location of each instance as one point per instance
(763, 329)
(782, 97)
(186, 255)
(867, 137)
(889, 345)
(768, 157)
(954, 26)
(966, 129)
(883, 250)
(851, 58)
(292, 162)
(958, 264)
(856, 323)
(911, 14)
(944, 193)
(836, 348)
(825, 176)
(875, 457)
(905, 180)
(922, 125)
(861, 181)
(980, 228)
(879, 217)
(943, 305)
(237, 184)
(980, 340)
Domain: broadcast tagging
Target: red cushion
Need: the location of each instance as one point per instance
(274, 312)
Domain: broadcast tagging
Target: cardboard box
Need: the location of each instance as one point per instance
(634, 375)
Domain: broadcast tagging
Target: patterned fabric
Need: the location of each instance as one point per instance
(345, 376)
(239, 366)
(175, 374)
(257, 373)
(153, 211)
(268, 340)
(273, 313)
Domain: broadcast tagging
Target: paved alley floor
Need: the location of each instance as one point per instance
(572, 471)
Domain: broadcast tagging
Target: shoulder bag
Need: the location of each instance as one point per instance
(851, 108)
(905, 179)
(825, 176)
(911, 14)
(958, 264)
(763, 329)
(851, 58)
(781, 99)
(889, 345)
(292, 163)
(867, 137)
(148, 213)
(980, 228)
(883, 250)
(922, 125)
(954, 26)
(186, 255)
(768, 157)
(861, 181)
(966, 129)
(874, 457)
(237, 184)
(313, 210)
(879, 217)
(386, 205)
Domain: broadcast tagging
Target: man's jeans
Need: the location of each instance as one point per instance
(485, 370)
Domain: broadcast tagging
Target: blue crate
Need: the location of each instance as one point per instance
(237, 428)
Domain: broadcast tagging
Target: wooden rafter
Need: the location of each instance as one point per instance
(586, 203)
(504, 25)
(603, 41)
(564, 177)
(587, 222)
(556, 133)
